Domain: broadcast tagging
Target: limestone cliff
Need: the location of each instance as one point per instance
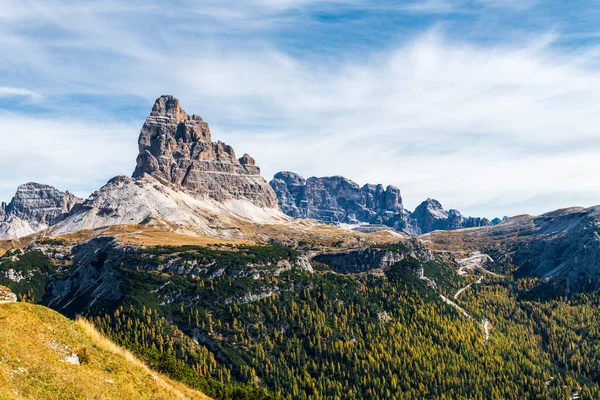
(177, 149)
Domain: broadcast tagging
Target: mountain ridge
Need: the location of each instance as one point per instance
(337, 200)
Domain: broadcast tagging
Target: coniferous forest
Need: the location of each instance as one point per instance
(256, 332)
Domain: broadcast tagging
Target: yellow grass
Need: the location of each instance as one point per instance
(34, 343)
(140, 235)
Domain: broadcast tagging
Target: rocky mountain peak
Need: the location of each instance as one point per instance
(336, 199)
(168, 106)
(430, 207)
(40, 203)
(247, 160)
(430, 216)
(177, 149)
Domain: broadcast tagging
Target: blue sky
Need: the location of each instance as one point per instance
(491, 107)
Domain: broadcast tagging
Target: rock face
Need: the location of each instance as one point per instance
(561, 246)
(41, 203)
(34, 207)
(177, 149)
(369, 258)
(336, 200)
(430, 216)
(95, 278)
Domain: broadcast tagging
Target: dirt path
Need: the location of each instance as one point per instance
(453, 304)
(466, 287)
(485, 323)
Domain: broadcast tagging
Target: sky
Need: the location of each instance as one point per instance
(491, 107)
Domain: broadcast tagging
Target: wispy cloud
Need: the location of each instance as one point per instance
(63, 151)
(7, 91)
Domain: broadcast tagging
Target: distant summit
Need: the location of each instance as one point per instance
(431, 216)
(34, 207)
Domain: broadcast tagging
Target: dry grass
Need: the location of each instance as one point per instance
(140, 235)
(34, 342)
(6, 245)
(313, 233)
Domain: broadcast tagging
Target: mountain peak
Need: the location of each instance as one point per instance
(177, 149)
(35, 206)
(432, 203)
(168, 106)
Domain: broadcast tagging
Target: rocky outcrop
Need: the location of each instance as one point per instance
(177, 149)
(370, 258)
(33, 208)
(430, 216)
(6, 295)
(497, 220)
(335, 200)
(562, 245)
(41, 203)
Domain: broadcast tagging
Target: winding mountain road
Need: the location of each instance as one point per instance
(485, 323)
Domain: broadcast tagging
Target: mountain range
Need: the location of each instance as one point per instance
(305, 288)
(186, 183)
(337, 200)
(185, 179)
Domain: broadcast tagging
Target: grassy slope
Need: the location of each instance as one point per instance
(32, 366)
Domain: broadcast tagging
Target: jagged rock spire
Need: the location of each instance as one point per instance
(177, 149)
